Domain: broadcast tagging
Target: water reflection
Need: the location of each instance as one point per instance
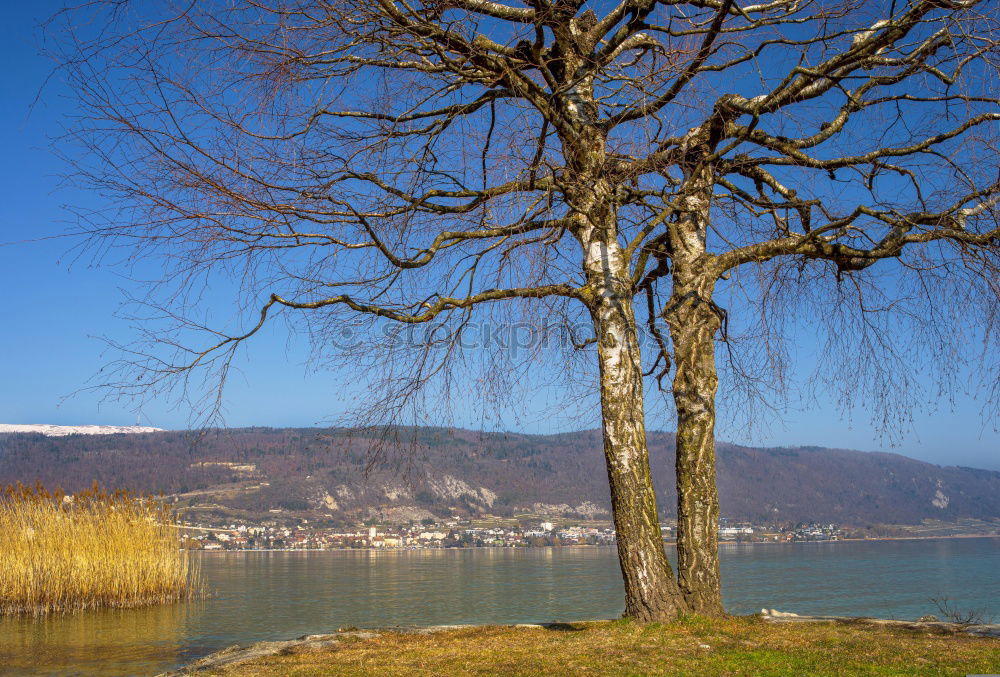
(106, 642)
(421, 587)
(277, 595)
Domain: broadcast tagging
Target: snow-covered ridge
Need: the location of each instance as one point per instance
(62, 430)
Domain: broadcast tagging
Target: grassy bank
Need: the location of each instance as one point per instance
(738, 646)
(94, 549)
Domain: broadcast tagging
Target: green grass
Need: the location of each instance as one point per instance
(735, 646)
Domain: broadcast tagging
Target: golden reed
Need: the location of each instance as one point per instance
(93, 549)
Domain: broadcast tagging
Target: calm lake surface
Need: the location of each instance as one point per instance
(281, 595)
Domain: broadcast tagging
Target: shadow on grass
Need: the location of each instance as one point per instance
(562, 627)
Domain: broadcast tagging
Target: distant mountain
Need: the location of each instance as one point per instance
(425, 471)
(63, 430)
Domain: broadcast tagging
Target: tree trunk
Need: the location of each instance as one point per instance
(651, 592)
(693, 321)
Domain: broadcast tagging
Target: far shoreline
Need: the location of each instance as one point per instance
(672, 543)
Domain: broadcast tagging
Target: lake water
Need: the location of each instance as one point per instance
(281, 595)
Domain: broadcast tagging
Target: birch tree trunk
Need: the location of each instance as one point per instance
(693, 324)
(651, 592)
(694, 319)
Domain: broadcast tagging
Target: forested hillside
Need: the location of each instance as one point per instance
(437, 471)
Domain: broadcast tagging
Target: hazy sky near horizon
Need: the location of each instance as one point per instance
(57, 305)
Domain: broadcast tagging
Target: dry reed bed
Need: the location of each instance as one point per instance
(93, 549)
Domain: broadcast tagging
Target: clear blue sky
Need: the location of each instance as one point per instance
(55, 308)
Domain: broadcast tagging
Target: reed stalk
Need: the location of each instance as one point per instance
(90, 550)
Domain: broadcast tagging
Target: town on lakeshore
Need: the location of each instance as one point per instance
(458, 533)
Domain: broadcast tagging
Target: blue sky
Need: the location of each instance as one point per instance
(56, 306)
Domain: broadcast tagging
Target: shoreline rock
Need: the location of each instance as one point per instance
(238, 653)
(978, 629)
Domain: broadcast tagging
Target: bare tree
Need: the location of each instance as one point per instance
(411, 162)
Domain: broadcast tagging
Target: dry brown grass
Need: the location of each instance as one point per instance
(737, 646)
(94, 549)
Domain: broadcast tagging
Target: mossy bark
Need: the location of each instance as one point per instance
(693, 322)
(694, 319)
(651, 592)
